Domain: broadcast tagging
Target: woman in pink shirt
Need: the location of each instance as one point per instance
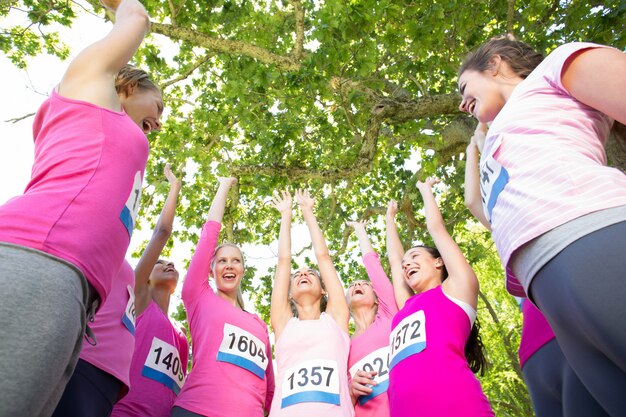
(556, 211)
(434, 343)
(63, 241)
(232, 370)
(310, 317)
(372, 307)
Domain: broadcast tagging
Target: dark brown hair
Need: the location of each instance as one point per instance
(521, 57)
(474, 348)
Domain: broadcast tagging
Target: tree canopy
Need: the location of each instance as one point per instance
(355, 100)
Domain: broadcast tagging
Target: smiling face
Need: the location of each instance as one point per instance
(164, 274)
(421, 270)
(306, 282)
(144, 107)
(360, 293)
(482, 95)
(228, 268)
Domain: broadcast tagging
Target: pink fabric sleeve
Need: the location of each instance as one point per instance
(380, 282)
(200, 265)
(269, 396)
(558, 58)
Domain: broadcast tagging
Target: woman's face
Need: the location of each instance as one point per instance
(482, 97)
(228, 270)
(305, 281)
(421, 270)
(164, 273)
(145, 107)
(361, 293)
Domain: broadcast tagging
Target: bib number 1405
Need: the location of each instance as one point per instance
(163, 365)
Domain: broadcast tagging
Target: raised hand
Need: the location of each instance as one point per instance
(359, 224)
(282, 202)
(304, 199)
(478, 138)
(227, 181)
(392, 209)
(171, 178)
(427, 185)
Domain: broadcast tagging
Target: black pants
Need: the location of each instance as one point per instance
(582, 293)
(91, 392)
(181, 412)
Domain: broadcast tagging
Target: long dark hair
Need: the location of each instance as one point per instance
(521, 57)
(474, 347)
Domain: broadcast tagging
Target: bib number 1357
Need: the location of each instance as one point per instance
(311, 381)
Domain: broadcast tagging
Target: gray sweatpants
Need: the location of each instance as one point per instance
(42, 321)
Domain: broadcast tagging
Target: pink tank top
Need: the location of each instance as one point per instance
(114, 327)
(158, 367)
(429, 373)
(536, 331)
(369, 351)
(543, 163)
(83, 196)
(312, 359)
(232, 371)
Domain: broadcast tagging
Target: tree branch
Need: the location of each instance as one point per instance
(187, 73)
(227, 46)
(298, 48)
(510, 15)
(401, 111)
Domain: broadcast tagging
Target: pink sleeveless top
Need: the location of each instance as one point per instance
(369, 351)
(83, 196)
(536, 331)
(232, 371)
(312, 358)
(158, 367)
(114, 327)
(429, 373)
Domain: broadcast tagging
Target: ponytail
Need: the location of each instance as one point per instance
(475, 351)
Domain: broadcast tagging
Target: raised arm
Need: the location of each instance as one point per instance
(395, 253)
(380, 282)
(595, 77)
(462, 282)
(90, 75)
(473, 199)
(280, 310)
(200, 265)
(337, 306)
(160, 235)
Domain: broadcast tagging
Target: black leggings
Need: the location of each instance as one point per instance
(91, 392)
(582, 293)
(554, 388)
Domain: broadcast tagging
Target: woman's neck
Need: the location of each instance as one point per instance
(363, 318)
(161, 296)
(309, 311)
(228, 297)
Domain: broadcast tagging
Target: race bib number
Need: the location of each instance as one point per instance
(163, 365)
(243, 349)
(493, 179)
(311, 381)
(128, 318)
(131, 208)
(377, 361)
(407, 338)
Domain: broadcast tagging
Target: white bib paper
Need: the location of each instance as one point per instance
(131, 208)
(493, 179)
(128, 318)
(407, 338)
(163, 365)
(378, 361)
(243, 349)
(311, 381)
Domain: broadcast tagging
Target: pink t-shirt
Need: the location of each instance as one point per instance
(83, 196)
(430, 376)
(158, 367)
(312, 359)
(536, 331)
(232, 358)
(543, 163)
(370, 350)
(114, 327)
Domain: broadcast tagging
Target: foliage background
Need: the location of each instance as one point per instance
(355, 100)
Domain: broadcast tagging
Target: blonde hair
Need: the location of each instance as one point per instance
(129, 77)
